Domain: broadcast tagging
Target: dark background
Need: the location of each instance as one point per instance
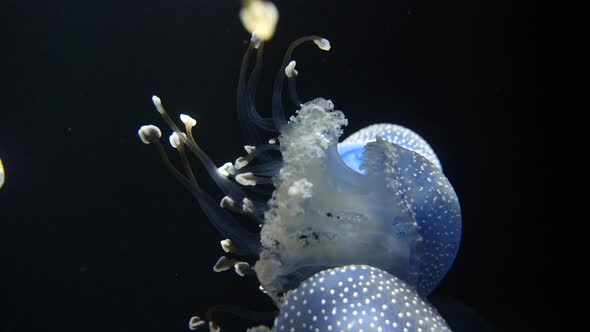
(96, 236)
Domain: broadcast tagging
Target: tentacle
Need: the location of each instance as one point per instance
(253, 115)
(227, 187)
(246, 95)
(221, 220)
(292, 74)
(278, 113)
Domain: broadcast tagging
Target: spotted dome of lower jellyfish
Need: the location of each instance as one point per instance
(356, 298)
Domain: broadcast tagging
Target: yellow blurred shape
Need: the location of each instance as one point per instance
(1, 174)
(260, 18)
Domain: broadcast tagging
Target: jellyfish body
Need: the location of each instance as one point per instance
(400, 215)
(377, 199)
(356, 298)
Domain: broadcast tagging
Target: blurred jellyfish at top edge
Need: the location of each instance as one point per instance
(259, 17)
(378, 201)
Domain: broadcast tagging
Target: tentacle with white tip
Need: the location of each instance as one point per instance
(248, 208)
(221, 220)
(263, 123)
(224, 264)
(227, 187)
(249, 179)
(246, 95)
(260, 152)
(278, 113)
(292, 74)
(229, 247)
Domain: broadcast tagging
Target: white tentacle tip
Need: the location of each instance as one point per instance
(323, 44)
(158, 103)
(226, 169)
(195, 322)
(290, 70)
(149, 133)
(249, 148)
(226, 244)
(188, 121)
(242, 268)
(224, 264)
(248, 205)
(241, 162)
(226, 202)
(175, 140)
(156, 100)
(246, 179)
(213, 327)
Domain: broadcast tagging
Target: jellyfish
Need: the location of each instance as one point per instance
(259, 16)
(375, 206)
(357, 297)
